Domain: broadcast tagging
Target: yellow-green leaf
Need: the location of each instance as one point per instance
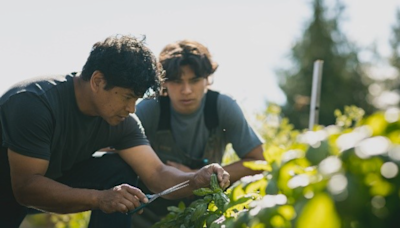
(319, 212)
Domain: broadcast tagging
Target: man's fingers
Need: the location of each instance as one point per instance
(124, 208)
(135, 204)
(121, 207)
(225, 182)
(223, 179)
(134, 198)
(132, 202)
(135, 192)
(222, 176)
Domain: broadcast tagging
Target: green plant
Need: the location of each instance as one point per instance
(343, 175)
(201, 212)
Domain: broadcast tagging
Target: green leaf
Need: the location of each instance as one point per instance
(203, 191)
(316, 155)
(214, 182)
(319, 212)
(199, 211)
(272, 187)
(174, 209)
(210, 219)
(220, 200)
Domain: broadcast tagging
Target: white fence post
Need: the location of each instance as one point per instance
(315, 93)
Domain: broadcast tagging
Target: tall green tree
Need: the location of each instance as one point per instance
(343, 80)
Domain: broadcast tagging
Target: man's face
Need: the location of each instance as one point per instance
(115, 104)
(187, 92)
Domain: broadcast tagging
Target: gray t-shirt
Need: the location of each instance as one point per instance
(190, 132)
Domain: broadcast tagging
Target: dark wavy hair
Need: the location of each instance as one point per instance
(186, 52)
(125, 62)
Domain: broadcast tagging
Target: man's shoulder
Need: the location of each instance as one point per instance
(148, 102)
(225, 99)
(228, 107)
(43, 80)
(147, 108)
(36, 85)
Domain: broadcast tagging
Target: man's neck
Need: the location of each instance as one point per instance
(83, 96)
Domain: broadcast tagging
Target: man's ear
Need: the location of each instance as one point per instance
(97, 81)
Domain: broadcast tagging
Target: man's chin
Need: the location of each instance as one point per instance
(114, 122)
(187, 110)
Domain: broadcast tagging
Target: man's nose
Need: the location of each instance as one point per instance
(131, 107)
(186, 88)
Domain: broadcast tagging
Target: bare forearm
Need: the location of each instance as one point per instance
(157, 176)
(237, 170)
(198, 179)
(48, 195)
(170, 176)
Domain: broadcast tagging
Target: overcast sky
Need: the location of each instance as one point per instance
(249, 39)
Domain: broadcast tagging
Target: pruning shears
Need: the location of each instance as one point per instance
(153, 197)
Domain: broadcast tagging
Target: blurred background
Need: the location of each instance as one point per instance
(265, 48)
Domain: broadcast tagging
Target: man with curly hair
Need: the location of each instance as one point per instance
(51, 126)
(191, 125)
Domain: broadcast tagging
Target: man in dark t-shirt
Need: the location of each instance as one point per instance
(51, 126)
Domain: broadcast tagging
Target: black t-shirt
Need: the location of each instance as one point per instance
(40, 118)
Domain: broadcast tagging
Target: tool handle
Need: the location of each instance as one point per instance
(142, 205)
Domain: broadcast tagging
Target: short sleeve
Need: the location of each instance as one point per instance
(148, 112)
(27, 125)
(238, 131)
(131, 134)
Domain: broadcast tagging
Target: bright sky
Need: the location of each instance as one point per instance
(249, 39)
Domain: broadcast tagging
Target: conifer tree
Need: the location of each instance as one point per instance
(343, 80)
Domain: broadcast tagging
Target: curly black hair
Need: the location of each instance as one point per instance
(125, 62)
(186, 52)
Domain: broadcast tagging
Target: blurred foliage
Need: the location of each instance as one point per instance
(77, 220)
(344, 175)
(229, 156)
(344, 80)
(43, 220)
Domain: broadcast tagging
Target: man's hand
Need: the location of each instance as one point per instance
(122, 198)
(158, 176)
(202, 177)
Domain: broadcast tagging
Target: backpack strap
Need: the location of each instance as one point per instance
(164, 122)
(210, 111)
